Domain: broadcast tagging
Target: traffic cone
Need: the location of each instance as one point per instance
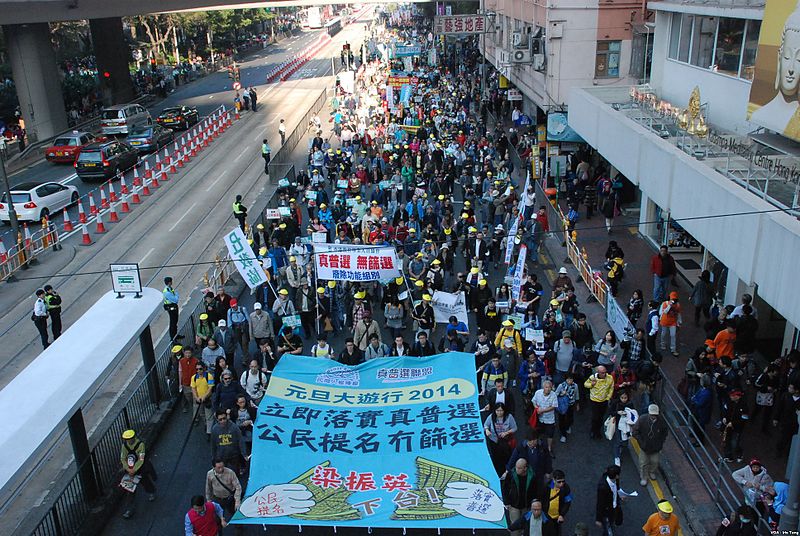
(237, 114)
(101, 228)
(148, 174)
(123, 186)
(112, 195)
(135, 199)
(186, 156)
(181, 160)
(154, 182)
(103, 198)
(206, 139)
(136, 180)
(164, 175)
(27, 235)
(3, 252)
(193, 150)
(166, 157)
(86, 239)
(172, 168)
(81, 213)
(123, 207)
(92, 207)
(145, 187)
(113, 217)
(157, 167)
(67, 222)
(230, 120)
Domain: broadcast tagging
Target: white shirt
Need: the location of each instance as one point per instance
(500, 398)
(613, 485)
(39, 308)
(254, 383)
(540, 400)
(401, 350)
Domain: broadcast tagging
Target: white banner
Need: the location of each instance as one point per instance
(447, 304)
(523, 253)
(510, 241)
(618, 320)
(353, 262)
(245, 260)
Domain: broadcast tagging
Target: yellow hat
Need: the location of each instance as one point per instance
(488, 173)
(473, 230)
(128, 434)
(358, 198)
(467, 203)
(292, 259)
(177, 348)
(420, 255)
(262, 251)
(292, 200)
(361, 295)
(203, 316)
(474, 270)
(331, 284)
(665, 506)
(412, 230)
(482, 282)
(508, 323)
(441, 197)
(320, 290)
(419, 283)
(260, 226)
(426, 297)
(436, 262)
(464, 215)
(399, 280)
(554, 302)
(282, 226)
(283, 292)
(322, 205)
(448, 231)
(250, 241)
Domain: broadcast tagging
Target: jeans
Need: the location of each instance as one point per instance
(648, 464)
(617, 444)
(660, 286)
(671, 332)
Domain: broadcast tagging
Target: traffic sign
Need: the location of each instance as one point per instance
(237, 85)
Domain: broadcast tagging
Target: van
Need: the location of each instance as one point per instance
(123, 118)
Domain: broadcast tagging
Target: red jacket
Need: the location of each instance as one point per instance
(662, 267)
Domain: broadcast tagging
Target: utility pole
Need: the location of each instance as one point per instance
(12, 214)
(482, 11)
(789, 515)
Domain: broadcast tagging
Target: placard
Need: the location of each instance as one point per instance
(273, 214)
(292, 321)
(285, 211)
(125, 279)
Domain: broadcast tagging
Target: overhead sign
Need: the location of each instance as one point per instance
(125, 279)
(774, 91)
(460, 24)
(245, 260)
(447, 304)
(391, 443)
(514, 95)
(354, 262)
(559, 130)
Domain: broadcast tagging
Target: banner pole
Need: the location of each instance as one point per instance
(316, 282)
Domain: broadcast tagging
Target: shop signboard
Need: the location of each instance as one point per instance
(514, 95)
(559, 130)
(460, 24)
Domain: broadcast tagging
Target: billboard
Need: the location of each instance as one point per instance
(774, 93)
(393, 442)
(558, 128)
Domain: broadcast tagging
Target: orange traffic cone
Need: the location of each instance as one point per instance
(145, 187)
(112, 195)
(92, 207)
(86, 239)
(113, 217)
(123, 207)
(166, 157)
(81, 213)
(157, 167)
(123, 186)
(3, 252)
(164, 175)
(103, 198)
(180, 160)
(135, 199)
(67, 222)
(136, 180)
(148, 174)
(101, 228)
(27, 235)
(154, 182)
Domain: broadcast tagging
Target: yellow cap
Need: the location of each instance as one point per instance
(420, 255)
(399, 280)
(358, 198)
(426, 297)
(292, 259)
(282, 226)
(250, 241)
(262, 251)
(320, 290)
(128, 434)
(412, 230)
(321, 205)
(177, 348)
(441, 197)
(665, 506)
(331, 284)
(474, 270)
(292, 200)
(419, 283)
(260, 226)
(488, 173)
(467, 203)
(203, 316)
(361, 295)
(482, 282)
(554, 302)
(473, 230)
(284, 292)
(464, 215)
(436, 262)
(448, 231)
(508, 323)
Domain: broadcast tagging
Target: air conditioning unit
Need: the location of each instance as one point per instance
(538, 62)
(519, 40)
(521, 56)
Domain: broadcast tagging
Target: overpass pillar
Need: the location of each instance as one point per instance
(113, 55)
(36, 77)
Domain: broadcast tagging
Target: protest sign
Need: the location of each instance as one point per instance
(447, 304)
(353, 262)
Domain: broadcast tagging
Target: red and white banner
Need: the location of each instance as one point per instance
(346, 262)
(460, 24)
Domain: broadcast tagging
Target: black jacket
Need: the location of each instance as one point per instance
(605, 503)
(421, 351)
(651, 434)
(564, 497)
(511, 490)
(491, 399)
(549, 526)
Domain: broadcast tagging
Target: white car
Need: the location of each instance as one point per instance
(33, 201)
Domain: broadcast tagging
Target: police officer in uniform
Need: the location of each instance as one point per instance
(266, 154)
(239, 211)
(39, 317)
(171, 306)
(53, 302)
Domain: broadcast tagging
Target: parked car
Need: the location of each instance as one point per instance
(123, 118)
(65, 148)
(33, 201)
(102, 160)
(178, 117)
(149, 138)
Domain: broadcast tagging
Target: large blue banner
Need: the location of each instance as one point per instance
(394, 442)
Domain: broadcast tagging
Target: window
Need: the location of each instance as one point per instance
(705, 31)
(674, 36)
(750, 49)
(686, 37)
(606, 63)
(729, 46)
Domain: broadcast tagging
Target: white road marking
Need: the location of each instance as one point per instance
(216, 180)
(147, 254)
(67, 180)
(260, 135)
(181, 218)
(241, 154)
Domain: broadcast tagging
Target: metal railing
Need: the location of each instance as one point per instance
(29, 245)
(284, 154)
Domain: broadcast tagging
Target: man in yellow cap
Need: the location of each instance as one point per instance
(134, 463)
(424, 316)
(294, 277)
(282, 308)
(508, 333)
(662, 523)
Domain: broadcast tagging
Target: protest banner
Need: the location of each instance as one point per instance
(391, 443)
(244, 259)
(518, 272)
(447, 304)
(353, 262)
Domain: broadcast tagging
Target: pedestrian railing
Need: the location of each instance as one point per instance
(28, 246)
(284, 154)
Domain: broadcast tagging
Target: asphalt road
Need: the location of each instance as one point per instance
(181, 223)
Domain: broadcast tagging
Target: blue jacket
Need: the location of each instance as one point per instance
(701, 405)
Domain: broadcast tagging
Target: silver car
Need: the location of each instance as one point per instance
(33, 201)
(124, 118)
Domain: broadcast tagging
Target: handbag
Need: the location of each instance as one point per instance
(563, 404)
(609, 427)
(765, 399)
(533, 420)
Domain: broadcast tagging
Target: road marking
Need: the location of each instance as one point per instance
(260, 135)
(217, 180)
(67, 180)
(147, 254)
(181, 218)
(241, 154)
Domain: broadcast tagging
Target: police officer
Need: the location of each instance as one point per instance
(171, 306)
(53, 302)
(239, 211)
(39, 317)
(266, 154)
